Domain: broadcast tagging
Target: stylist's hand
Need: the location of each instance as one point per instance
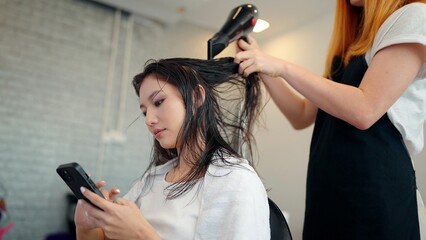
(250, 45)
(120, 219)
(251, 60)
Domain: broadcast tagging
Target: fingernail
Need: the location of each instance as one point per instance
(118, 190)
(82, 189)
(79, 202)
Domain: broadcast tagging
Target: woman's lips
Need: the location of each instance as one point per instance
(157, 132)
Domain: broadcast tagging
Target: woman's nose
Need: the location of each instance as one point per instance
(150, 118)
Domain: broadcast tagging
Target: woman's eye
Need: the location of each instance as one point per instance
(158, 102)
(144, 113)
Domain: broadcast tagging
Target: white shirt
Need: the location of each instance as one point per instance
(171, 218)
(408, 113)
(231, 203)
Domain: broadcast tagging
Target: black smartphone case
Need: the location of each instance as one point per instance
(75, 177)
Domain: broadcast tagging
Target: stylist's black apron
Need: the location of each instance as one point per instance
(361, 183)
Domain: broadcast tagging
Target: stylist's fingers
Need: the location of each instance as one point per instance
(245, 55)
(242, 45)
(240, 57)
(252, 43)
(245, 65)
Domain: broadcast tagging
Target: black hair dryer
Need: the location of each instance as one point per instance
(239, 24)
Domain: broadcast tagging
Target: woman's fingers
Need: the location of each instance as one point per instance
(94, 198)
(121, 201)
(114, 193)
(107, 194)
(100, 184)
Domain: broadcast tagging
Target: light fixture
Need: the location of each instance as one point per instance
(260, 26)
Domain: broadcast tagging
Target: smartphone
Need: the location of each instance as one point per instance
(75, 177)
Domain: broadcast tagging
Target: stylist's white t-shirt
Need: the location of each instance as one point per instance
(408, 113)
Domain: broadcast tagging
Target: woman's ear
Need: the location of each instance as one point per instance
(200, 99)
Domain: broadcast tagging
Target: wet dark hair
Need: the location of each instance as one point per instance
(224, 119)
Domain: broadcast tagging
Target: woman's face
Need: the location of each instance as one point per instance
(357, 3)
(162, 105)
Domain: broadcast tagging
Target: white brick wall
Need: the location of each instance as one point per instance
(54, 57)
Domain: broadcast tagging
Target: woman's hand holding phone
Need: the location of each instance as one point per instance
(81, 217)
(119, 219)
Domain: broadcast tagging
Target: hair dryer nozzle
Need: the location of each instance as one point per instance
(239, 24)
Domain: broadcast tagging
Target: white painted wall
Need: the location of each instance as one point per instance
(284, 151)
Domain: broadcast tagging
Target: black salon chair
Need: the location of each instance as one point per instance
(278, 223)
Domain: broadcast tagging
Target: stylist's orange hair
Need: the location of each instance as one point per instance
(355, 27)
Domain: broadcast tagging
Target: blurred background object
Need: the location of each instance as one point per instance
(6, 222)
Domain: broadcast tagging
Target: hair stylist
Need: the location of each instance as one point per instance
(369, 111)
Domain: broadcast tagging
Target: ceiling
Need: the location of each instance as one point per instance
(283, 15)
